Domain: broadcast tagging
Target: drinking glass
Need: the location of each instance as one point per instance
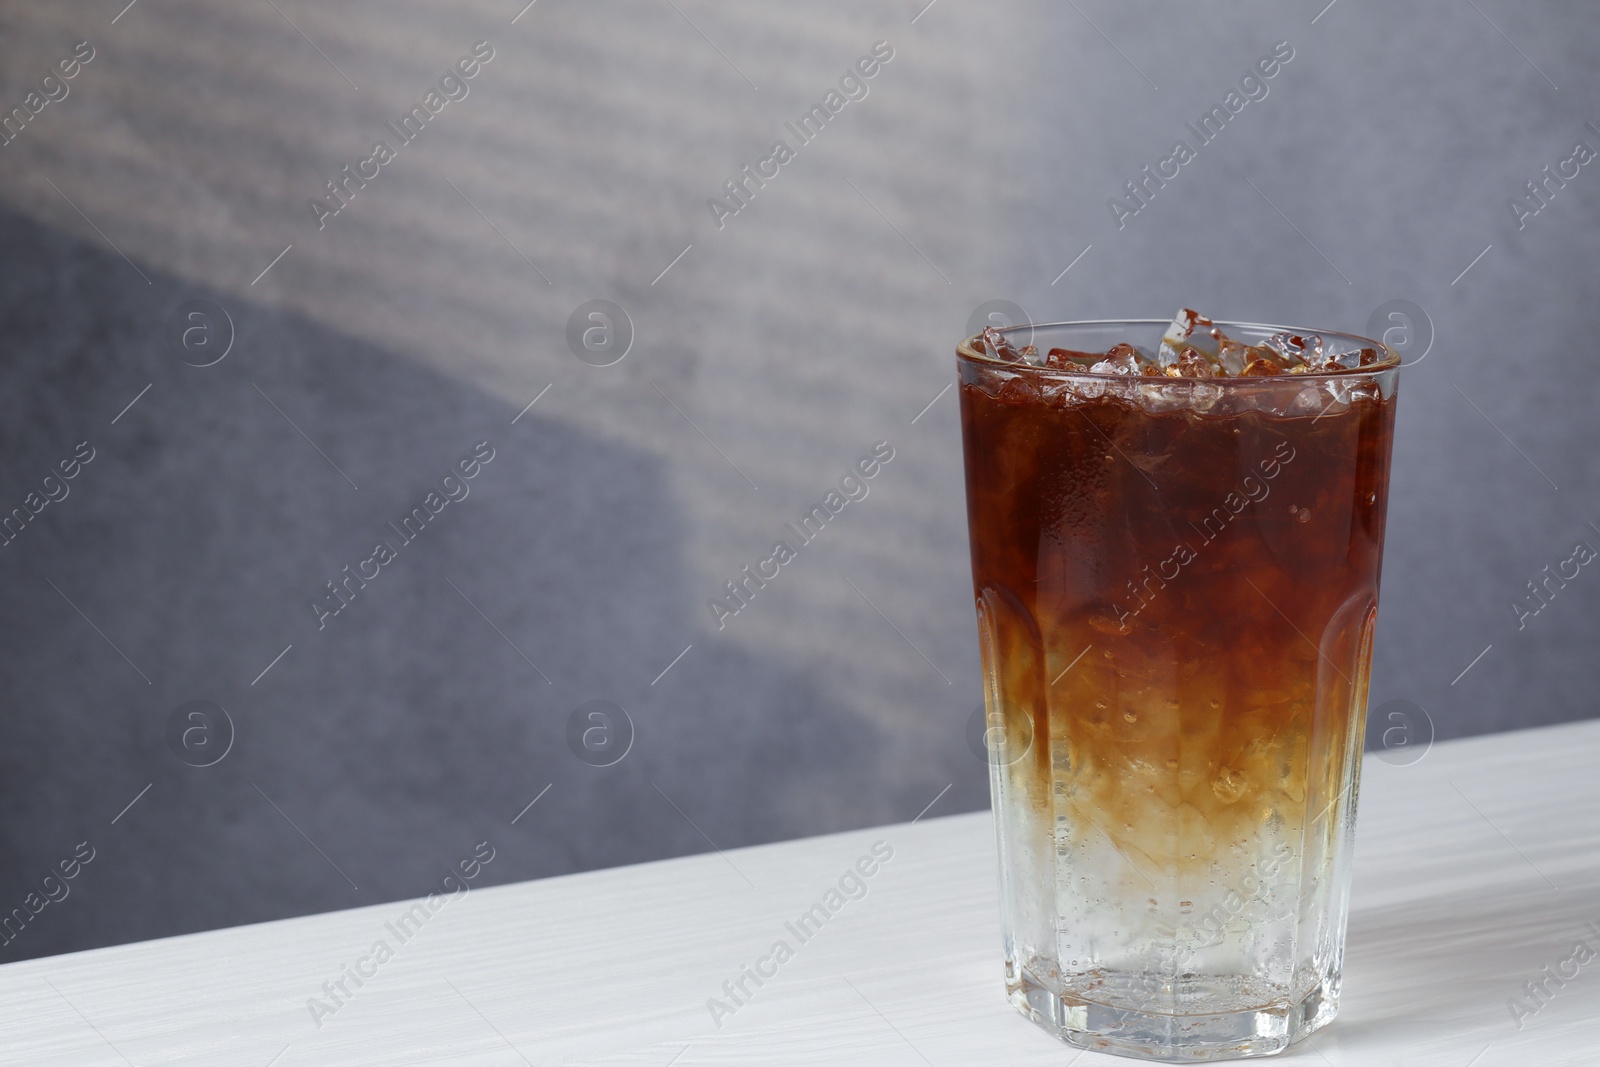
(1176, 584)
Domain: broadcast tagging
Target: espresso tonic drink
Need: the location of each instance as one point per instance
(1176, 536)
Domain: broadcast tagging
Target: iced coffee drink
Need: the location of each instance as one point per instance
(1176, 537)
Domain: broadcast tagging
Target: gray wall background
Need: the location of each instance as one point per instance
(820, 320)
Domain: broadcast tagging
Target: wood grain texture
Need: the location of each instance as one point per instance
(1475, 868)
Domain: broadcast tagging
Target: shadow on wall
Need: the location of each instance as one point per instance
(371, 754)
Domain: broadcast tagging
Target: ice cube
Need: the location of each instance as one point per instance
(1268, 354)
(1260, 367)
(1337, 394)
(1356, 357)
(1181, 333)
(1191, 364)
(1000, 345)
(1232, 357)
(1059, 392)
(1162, 398)
(1122, 359)
(1364, 390)
(1308, 401)
(1170, 395)
(1070, 359)
(1019, 390)
(1126, 358)
(1325, 397)
(1202, 397)
(1229, 785)
(1090, 388)
(1296, 349)
(1030, 354)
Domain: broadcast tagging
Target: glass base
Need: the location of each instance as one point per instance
(1174, 1038)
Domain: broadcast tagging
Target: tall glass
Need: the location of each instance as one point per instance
(1176, 584)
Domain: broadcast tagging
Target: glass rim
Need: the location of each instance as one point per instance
(1391, 360)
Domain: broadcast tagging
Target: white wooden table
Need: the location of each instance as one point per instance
(1475, 869)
